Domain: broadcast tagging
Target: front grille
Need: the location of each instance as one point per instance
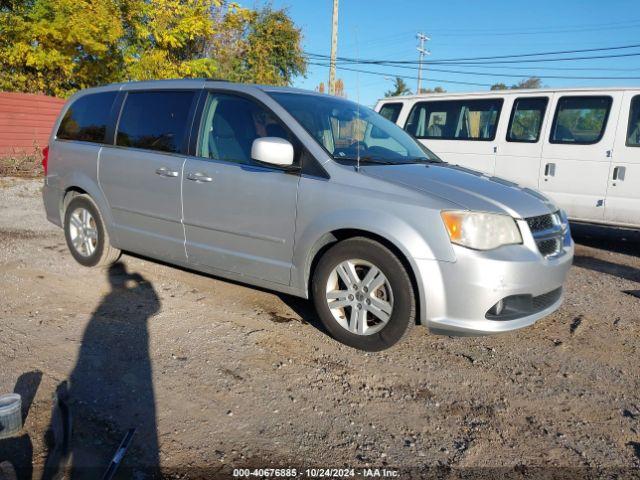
(549, 247)
(547, 232)
(540, 223)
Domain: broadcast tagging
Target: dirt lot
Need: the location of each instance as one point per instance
(215, 375)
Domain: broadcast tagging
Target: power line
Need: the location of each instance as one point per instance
(510, 74)
(537, 29)
(559, 31)
(405, 77)
(482, 63)
(499, 57)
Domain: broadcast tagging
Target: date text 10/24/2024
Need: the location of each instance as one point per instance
(315, 472)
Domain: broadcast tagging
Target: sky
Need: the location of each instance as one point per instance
(376, 29)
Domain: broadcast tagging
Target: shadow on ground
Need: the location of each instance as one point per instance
(110, 389)
(612, 239)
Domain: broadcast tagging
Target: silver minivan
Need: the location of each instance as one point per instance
(306, 194)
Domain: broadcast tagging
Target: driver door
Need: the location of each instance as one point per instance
(239, 215)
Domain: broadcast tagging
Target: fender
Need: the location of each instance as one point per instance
(314, 236)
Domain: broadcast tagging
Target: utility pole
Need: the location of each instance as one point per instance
(422, 52)
(334, 49)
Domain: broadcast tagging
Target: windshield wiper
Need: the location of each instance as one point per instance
(367, 159)
(424, 160)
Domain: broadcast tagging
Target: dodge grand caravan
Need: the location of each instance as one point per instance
(305, 194)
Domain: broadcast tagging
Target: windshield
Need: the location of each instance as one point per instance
(349, 131)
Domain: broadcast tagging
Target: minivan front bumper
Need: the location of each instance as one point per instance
(459, 296)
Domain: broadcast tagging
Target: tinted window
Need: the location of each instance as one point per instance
(526, 120)
(87, 118)
(231, 124)
(633, 132)
(155, 120)
(455, 119)
(391, 111)
(580, 120)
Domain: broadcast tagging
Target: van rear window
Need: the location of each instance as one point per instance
(87, 118)
(455, 119)
(155, 120)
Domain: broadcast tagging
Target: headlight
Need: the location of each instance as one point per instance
(566, 229)
(481, 231)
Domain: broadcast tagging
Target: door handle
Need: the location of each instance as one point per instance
(199, 177)
(550, 170)
(618, 173)
(165, 172)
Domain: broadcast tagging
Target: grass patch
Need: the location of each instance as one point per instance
(22, 165)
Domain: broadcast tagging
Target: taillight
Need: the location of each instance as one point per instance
(45, 159)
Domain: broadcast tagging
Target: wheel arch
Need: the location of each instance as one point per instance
(327, 240)
(81, 185)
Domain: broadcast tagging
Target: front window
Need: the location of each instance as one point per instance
(391, 111)
(349, 131)
(231, 124)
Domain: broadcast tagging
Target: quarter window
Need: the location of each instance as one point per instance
(580, 120)
(455, 120)
(155, 120)
(87, 118)
(391, 111)
(526, 119)
(231, 124)
(633, 132)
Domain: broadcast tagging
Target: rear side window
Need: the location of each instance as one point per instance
(633, 132)
(87, 118)
(155, 120)
(455, 119)
(526, 119)
(580, 120)
(391, 111)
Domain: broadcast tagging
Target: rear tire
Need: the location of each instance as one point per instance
(86, 236)
(363, 294)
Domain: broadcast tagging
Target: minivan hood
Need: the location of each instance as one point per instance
(468, 188)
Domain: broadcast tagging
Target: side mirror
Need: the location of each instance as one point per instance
(272, 150)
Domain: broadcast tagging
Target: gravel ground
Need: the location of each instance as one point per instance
(216, 375)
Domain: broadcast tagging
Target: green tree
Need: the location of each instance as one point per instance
(165, 38)
(433, 90)
(257, 46)
(59, 46)
(399, 88)
(499, 86)
(531, 83)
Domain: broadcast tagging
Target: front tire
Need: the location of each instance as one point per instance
(363, 294)
(86, 236)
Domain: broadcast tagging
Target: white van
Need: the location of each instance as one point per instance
(581, 147)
